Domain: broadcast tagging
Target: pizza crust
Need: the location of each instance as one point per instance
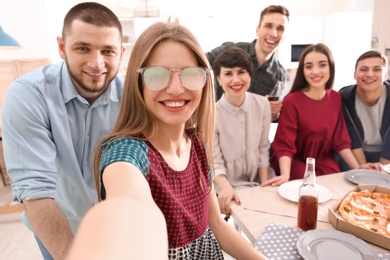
(369, 210)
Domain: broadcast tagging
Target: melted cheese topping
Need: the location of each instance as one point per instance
(369, 200)
(353, 203)
(364, 217)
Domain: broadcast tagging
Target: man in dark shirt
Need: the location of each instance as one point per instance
(366, 107)
(268, 70)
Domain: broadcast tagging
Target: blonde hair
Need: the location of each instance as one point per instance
(134, 117)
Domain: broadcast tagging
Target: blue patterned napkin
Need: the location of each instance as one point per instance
(279, 242)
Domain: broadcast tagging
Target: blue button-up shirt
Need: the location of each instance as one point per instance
(49, 135)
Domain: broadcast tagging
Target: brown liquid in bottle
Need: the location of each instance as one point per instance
(307, 212)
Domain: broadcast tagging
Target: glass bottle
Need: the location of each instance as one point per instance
(308, 198)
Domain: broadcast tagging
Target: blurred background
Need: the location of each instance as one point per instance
(348, 27)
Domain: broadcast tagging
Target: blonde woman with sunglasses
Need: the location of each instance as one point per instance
(157, 152)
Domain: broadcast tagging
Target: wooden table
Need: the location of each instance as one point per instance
(260, 205)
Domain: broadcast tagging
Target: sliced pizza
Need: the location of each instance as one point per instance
(369, 210)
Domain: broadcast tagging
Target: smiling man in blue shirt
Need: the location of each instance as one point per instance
(53, 118)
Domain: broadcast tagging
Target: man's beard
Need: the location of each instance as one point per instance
(79, 82)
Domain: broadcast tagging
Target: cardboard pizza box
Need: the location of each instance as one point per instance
(370, 236)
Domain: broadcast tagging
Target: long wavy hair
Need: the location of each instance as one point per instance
(135, 119)
(300, 81)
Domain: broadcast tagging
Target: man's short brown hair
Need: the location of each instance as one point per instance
(92, 13)
(275, 9)
(372, 54)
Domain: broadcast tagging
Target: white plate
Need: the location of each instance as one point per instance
(368, 177)
(386, 168)
(333, 244)
(289, 190)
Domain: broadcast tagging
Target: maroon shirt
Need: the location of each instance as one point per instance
(310, 128)
(181, 195)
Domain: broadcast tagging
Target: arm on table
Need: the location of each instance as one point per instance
(285, 168)
(359, 155)
(226, 194)
(263, 174)
(50, 226)
(384, 161)
(228, 238)
(384, 164)
(349, 157)
(361, 158)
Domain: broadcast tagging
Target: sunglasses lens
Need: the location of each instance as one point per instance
(156, 78)
(193, 78)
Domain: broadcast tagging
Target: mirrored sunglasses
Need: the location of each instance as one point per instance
(158, 77)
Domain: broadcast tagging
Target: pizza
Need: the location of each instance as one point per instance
(369, 210)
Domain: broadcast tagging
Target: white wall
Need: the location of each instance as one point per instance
(36, 23)
(302, 30)
(348, 35)
(26, 21)
(381, 26)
